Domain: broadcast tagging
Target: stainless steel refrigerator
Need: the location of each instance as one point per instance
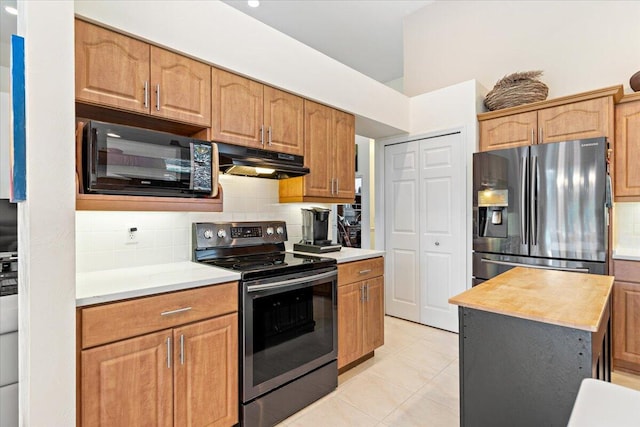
(542, 206)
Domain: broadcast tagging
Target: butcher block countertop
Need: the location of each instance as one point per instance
(575, 300)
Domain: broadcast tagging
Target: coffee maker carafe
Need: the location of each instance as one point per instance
(315, 229)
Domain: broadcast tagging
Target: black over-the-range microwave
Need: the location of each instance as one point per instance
(126, 160)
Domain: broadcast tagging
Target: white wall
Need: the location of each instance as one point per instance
(221, 35)
(453, 108)
(102, 241)
(46, 249)
(580, 45)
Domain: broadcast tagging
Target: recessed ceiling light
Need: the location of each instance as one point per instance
(253, 3)
(11, 10)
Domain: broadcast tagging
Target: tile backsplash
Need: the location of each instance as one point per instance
(103, 243)
(627, 226)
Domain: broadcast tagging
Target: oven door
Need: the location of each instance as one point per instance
(290, 328)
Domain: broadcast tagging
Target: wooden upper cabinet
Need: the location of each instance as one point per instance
(627, 150)
(318, 153)
(344, 163)
(111, 69)
(117, 71)
(181, 88)
(283, 121)
(329, 153)
(206, 371)
(128, 383)
(578, 120)
(237, 113)
(580, 116)
(249, 113)
(509, 131)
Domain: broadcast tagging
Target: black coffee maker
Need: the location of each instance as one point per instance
(315, 228)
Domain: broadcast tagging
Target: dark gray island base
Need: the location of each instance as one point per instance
(518, 372)
(523, 355)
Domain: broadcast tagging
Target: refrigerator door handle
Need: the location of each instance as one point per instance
(541, 267)
(533, 208)
(523, 200)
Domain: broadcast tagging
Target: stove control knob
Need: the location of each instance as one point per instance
(208, 233)
(269, 231)
(222, 234)
(280, 230)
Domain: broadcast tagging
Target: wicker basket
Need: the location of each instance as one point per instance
(516, 89)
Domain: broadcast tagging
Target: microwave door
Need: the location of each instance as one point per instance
(568, 200)
(500, 190)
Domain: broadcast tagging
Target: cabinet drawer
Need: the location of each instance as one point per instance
(626, 271)
(113, 322)
(360, 270)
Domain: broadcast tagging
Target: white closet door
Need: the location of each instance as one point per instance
(442, 229)
(402, 258)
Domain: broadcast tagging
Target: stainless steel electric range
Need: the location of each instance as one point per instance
(288, 317)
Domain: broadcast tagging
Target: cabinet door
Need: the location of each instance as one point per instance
(111, 69)
(344, 163)
(206, 372)
(586, 119)
(627, 150)
(510, 131)
(180, 87)
(237, 113)
(626, 326)
(317, 149)
(283, 121)
(373, 316)
(128, 383)
(350, 312)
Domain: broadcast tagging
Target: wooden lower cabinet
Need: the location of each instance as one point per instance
(186, 375)
(360, 311)
(128, 383)
(626, 316)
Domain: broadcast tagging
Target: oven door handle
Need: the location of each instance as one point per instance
(291, 282)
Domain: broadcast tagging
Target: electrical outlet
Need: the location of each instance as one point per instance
(133, 235)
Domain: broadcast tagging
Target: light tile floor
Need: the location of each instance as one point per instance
(411, 381)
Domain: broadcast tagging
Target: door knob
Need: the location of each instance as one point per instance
(437, 243)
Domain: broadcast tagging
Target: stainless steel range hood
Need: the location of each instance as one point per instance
(246, 161)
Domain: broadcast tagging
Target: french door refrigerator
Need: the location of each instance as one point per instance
(542, 206)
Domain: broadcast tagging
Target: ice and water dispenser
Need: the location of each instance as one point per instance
(492, 213)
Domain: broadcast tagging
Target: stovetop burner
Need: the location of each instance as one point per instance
(255, 249)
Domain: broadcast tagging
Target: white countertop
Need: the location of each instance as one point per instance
(349, 254)
(600, 403)
(631, 254)
(112, 285)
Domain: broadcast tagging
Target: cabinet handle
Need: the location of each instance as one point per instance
(169, 352)
(361, 293)
(337, 186)
(366, 292)
(540, 136)
(533, 133)
(368, 270)
(146, 94)
(158, 97)
(269, 134)
(331, 182)
(261, 135)
(182, 349)
(180, 310)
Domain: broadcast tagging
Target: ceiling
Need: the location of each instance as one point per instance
(365, 35)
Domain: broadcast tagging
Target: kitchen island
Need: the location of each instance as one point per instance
(528, 337)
